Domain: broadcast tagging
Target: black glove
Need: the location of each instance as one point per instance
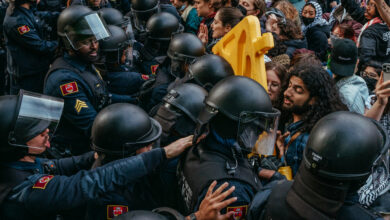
(270, 163)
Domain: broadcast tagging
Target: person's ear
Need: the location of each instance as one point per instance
(227, 28)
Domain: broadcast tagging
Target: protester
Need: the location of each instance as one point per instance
(276, 78)
(207, 10)
(352, 88)
(224, 21)
(188, 14)
(288, 10)
(310, 95)
(315, 29)
(373, 41)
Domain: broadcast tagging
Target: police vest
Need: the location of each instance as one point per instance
(277, 202)
(97, 86)
(199, 167)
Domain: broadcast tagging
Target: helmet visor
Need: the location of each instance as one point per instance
(257, 131)
(36, 114)
(142, 17)
(89, 28)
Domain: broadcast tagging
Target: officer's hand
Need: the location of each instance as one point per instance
(177, 147)
(213, 202)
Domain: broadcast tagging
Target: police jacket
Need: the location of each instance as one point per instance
(85, 93)
(212, 160)
(145, 60)
(28, 52)
(152, 94)
(146, 193)
(42, 196)
(122, 81)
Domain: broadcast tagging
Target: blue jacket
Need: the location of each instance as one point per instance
(42, 196)
(353, 92)
(295, 150)
(81, 103)
(28, 52)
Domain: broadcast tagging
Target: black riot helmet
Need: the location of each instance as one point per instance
(142, 10)
(209, 69)
(180, 109)
(114, 47)
(345, 146)
(23, 117)
(163, 213)
(113, 16)
(239, 107)
(122, 128)
(183, 49)
(162, 26)
(78, 23)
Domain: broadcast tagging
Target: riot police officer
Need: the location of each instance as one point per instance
(35, 188)
(336, 164)
(182, 50)
(113, 16)
(206, 71)
(238, 118)
(159, 30)
(74, 78)
(142, 10)
(29, 54)
(115, 54)
(123, 130)
(179, 110)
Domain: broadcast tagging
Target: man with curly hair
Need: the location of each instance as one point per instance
(309, 96)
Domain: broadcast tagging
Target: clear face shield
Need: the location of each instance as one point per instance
(87, 30)
(140, 18)
(257, 131)
(36, 114)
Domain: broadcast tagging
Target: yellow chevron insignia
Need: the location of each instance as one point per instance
(79, 105)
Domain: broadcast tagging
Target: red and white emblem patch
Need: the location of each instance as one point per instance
(239, 212)
(153, 69)
(23, 29)
(42, 182)
(69, 88)
(115, 210)
(144, 77)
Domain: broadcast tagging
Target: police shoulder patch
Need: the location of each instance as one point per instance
(23, 29)
(115, 210)
(144, 77)
(239, 212)
(69, 88)
(42, 182)
(80, 105)
(153, 68)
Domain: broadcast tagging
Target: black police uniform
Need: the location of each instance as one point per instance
(26, 195)
(141, 36)
(28, 53)
(153, 94)
(212, 160)
(145, 60)
(123, 81)
(147, 193)
(85, 93)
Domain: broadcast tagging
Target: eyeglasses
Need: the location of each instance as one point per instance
(370, 74)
